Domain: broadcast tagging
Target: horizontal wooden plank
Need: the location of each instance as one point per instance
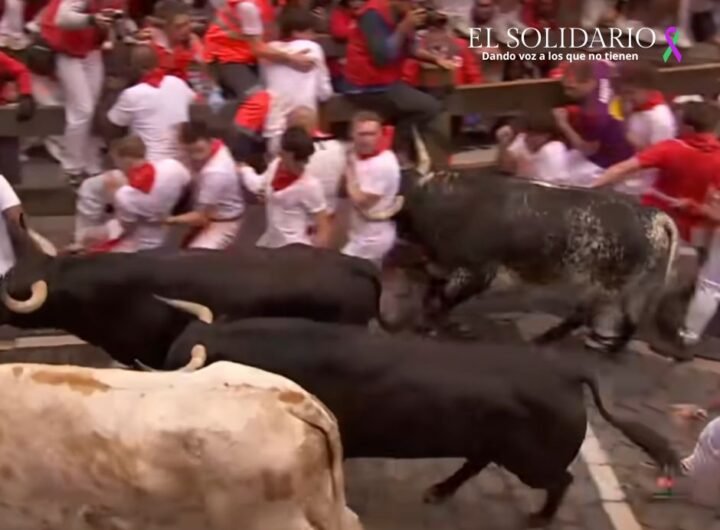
(47, 121)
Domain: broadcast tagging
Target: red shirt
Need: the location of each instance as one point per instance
(687, 168)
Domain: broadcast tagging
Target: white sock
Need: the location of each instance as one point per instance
(700, 312)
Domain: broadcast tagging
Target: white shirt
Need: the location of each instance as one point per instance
(147, 211)
(328, 164)
(154, 114)
(289, 211)
(217, 185)
(8, 199)
(292, 88)
(378, 175)
(549, 163)
(645, 128)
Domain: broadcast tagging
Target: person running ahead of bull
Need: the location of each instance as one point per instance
(217, 191)
(294, 200)
(372, 184)
(144, 193)
(378, 45)
(686, 195)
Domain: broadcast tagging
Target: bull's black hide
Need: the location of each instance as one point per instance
(607, 246)
(107, 299)
(399, 397)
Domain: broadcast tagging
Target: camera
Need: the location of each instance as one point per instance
(433, 17)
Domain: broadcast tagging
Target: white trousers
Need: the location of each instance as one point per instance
(13, 18)
(48, 92)
(703, 466)
(705, 301)
(373, 248)
(91, 208)
(81, 80)
(218, 235)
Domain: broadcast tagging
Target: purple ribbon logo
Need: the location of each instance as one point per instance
(672, 34)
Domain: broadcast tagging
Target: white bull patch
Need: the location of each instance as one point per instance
(226, 447)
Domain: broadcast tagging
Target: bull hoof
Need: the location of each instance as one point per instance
(537, 520)
(434, 495)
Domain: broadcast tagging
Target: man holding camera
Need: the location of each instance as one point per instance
(378, 46)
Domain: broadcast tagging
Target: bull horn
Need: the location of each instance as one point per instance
(424, 162)
(203, 313)
(389, 213)
(38, 297)
(144, 367)
(198, 357)
(45, 245)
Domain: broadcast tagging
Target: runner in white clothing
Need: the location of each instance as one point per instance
(373, 182)
(144, 194)
(294, 200)
(292, 88)
(537, 153)
(217, 191)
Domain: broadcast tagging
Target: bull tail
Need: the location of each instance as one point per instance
(654, 444)
(670, 228)
(315, 414)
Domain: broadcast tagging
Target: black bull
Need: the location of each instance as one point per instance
(398, 397)
(613, 251)
(107, 299)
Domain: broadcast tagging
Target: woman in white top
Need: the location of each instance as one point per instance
(294, 200)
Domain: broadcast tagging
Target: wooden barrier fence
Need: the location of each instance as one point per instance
(495, 98)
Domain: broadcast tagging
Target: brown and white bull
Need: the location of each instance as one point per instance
(224, 448)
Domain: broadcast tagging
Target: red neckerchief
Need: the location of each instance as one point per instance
(385, 143)
(153, 77)
(654, 99)
(215, 146)
(283, 178)
(142, 177)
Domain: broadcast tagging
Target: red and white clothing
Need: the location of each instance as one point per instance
(176, 60)
(217, 186)
(65, 26)
(224, 41)
(672, 158)
(153, 110)
(647, 125)
(376, 175)
(290, 203)
(142, 205)
(292, 88)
